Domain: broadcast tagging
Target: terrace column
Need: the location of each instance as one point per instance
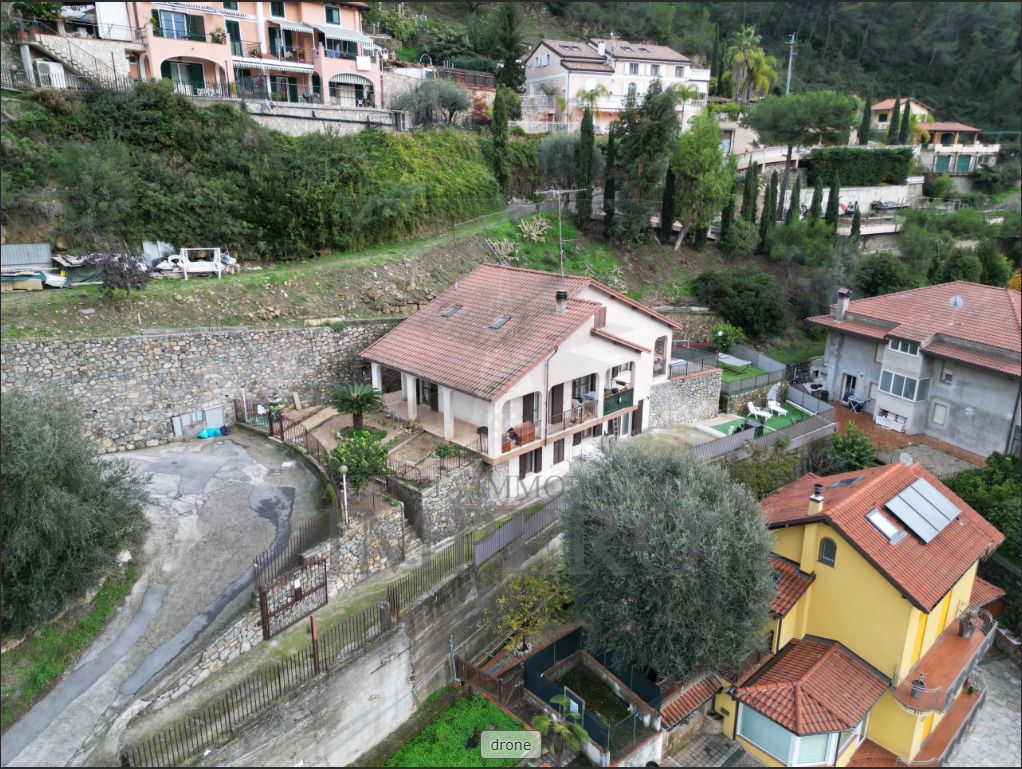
(494, 427)
(447, 405)
(377, 374)
(260, 28)
(600, 379)
(408, 385)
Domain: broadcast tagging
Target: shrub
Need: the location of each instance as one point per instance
(859, 167)
(936, 186)
(557, 159)
(994, 492)
(852, 451)
(883, 273)
(363, 453)
(65, 512)
(747, 299)
(727, 336)
(742, 238)
(518, 131)
(959, 265)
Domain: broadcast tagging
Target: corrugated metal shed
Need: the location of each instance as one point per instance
(25, 256)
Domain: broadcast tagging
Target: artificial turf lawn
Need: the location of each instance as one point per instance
(744, 372)
(443, 741)
(774, 423)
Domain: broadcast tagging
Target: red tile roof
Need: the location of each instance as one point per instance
(991, 316)
(922, 572)
(850, 327)
(464, 353)
(983, 593)
(889, 104)
(931, 127)
(618, 340)
(652, 52)
(586, 51)
(978, 359)
(791, 586)
(585, 65)
(870, 754)
(691, 697)
(813, 686)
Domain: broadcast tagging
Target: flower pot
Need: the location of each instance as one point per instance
(965, 630)
(917, 690)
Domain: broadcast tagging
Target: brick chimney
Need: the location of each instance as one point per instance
(562, 301)
(844, 295)
(816, 501)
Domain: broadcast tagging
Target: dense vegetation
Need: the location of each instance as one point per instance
(65, 512)
(146, 164)
(995, 492)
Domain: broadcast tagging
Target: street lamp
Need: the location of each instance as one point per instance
(344, 485)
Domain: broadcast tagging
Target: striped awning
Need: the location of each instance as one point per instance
(294, 26)
(339, 33)
(348, 79)
(271, 64)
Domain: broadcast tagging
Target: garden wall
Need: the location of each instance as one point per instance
(689, 399)
(133, 385)
(738, 402)
(698, 324)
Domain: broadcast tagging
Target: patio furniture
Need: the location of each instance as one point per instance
(756, 411)
(855, 404)
(731, 360)
(777, 408)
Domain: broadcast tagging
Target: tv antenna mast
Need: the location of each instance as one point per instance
(956, 303)
(791, 55)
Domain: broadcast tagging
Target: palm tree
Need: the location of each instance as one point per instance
(745, 44)
(591, 98)
(682, 95)
(759, 75)
(565, 731)
(356, 399)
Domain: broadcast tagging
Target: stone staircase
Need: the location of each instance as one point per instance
(74, 57)
(413, 545)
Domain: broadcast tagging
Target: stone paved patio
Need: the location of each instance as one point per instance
(996, 737)
(938, 462)
(711, 750)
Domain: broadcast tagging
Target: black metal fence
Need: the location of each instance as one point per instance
(518, 527)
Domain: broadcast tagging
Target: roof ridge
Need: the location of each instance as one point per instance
(883, 472)
(834, 648)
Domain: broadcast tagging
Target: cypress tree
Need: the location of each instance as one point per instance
(866, 126)
(727, 214)
(609, 188)
(667, 212)
(856, 226)
(894, 127)
(586, 144)
(500, 159)
(833, 212)
(715, 63)
(794, 209)
(700, 237)
(750, 191)
(905, 134)
(769, 218)
(816, 207)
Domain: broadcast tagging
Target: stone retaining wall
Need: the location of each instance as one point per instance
(698, 324)
(738, 402)
(133, 385)
(690, 399)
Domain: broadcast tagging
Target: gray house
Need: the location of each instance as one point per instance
(924, 366)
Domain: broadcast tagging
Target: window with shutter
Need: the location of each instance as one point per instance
(537, 460)
(196, 29)
(576, 439)
(601, 318)
(939, 414)
(196, 76)
(277, 9)
(523, 466)
(598, 430)
(637, 420)
(559, 451)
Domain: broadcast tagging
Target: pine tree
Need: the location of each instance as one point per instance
(866, 126)
(769, 218)
(833, 212)
(794, 210)
(894, 126)
(500, 159)
(816, 207)
(856, 227)
(905, 134)
(609, 186)
(667, 211)
(586, 144)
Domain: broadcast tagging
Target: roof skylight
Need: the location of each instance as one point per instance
(644, 50)
(451, 311)
(626, 48)
(885, 527)
(846, 482)
(499, 322)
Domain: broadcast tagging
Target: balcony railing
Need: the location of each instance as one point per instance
(89, 31)
(562, 420)
(618, 401)
(520, 435)
(913, 693)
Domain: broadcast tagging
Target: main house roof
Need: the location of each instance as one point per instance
(889, 104)
(584, 59)
(922, 572)
(813, 686)
(640, 51)
(990, 316)
(463, 352)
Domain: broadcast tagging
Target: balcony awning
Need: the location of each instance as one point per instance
(294, 26)
(268, 64)
(339, 33)
(348, 79)
(199, 8)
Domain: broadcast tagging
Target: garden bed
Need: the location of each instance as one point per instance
(600, 700)
(735, 374)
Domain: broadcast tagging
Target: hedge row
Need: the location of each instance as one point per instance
(859, 167)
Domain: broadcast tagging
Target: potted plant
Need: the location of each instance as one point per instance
(218, 36)
(918, 686)
(967, 622)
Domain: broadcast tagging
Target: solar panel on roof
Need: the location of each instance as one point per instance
(923, 509)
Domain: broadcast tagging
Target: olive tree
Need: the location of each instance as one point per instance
(668, 559)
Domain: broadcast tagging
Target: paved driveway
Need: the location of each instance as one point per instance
(214, 506)
(996, 737)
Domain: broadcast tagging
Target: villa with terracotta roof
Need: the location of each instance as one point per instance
(571, 67)
(530, 369)
(866, 654)
(882, 112)
(923, 366)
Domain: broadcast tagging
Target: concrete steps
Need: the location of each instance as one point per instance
(319, 417)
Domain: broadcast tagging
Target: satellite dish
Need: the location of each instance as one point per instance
(906, 459)
(956, 303)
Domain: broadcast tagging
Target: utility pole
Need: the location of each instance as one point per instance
(791, 55)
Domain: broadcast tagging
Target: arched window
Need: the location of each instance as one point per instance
(632, 89)
(828, 551)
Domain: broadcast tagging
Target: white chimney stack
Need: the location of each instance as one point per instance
(844, 295)
(601, 48)
(562, 301)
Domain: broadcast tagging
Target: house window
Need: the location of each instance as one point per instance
(633, 68)
(939, 416)
(947, 374)
(659, 356)
(499, 322)
(878, 353)
(627, 48)
(277, 9)
(546, 60)
(882, 118)
(812, 749)
(904, 387)
(632, 89)
(581, 386)
(559, 451)
(783, 745)
(654, 70)
(231, 6)
(943, 163)
(962, 164)
(679, 72)
(538, 60)
(450, 312)
(333, 15)
(174, 25)
(828, 551)
(900, 345)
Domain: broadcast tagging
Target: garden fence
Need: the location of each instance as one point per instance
(814, 427)
(774, 370)
(693, 365)
(175, 745)
(516, 528)
(807, 402)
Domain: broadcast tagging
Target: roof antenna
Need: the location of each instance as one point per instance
(905, 459)
(956, 303)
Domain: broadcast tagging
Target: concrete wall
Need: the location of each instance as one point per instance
(132, 386)
(690, 399)
(295, 120)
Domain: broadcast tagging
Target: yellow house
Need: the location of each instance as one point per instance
(866, 664)
(882, 112)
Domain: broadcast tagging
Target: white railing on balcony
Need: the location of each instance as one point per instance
(702, 75)
(891, 423)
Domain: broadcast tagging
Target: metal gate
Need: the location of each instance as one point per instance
(292, 597)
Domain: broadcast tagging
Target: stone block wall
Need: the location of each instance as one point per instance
(738, 403)
(698, 324)
(133, 385)
(689, 399)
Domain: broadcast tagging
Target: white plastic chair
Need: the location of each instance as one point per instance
(777, 408)
(756, 411)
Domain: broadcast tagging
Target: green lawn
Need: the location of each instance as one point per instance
(773, 424)
(443, 741)
(731, 374)
(798, 354)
